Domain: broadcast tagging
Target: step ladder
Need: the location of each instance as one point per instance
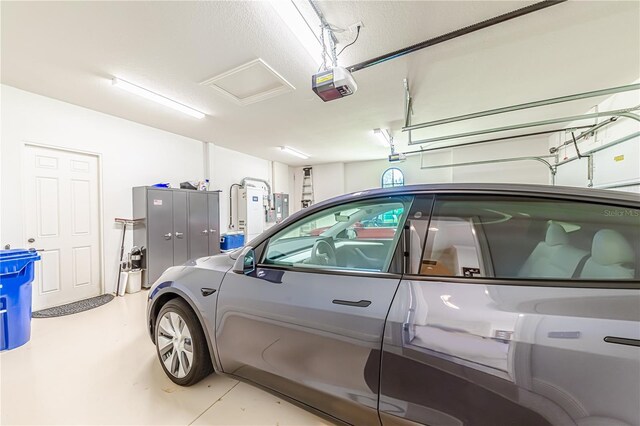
(307, 187)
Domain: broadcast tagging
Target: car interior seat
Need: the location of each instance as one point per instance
(554, 257)
(612, 257)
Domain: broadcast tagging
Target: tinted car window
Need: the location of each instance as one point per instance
(354, 236)
(529, 238)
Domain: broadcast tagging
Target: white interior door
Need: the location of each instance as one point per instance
(62, 219)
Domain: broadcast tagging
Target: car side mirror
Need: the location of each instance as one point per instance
(246, 262)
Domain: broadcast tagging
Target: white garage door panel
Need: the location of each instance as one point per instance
(572, 174)
(635, 188)
(62, 218)
(617, 164)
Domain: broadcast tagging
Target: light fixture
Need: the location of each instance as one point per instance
(290, 13)
(292, 151)
(137, 90)
(384, 136)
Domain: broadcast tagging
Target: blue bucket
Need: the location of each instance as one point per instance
(16, 276)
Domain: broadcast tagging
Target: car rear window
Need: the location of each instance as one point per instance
(530, 238)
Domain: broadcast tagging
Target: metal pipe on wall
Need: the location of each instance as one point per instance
(527, 105)
(231, 204)
(540, 159)
(524, 135)
(630, 115)
(620, 112)
(619, 185)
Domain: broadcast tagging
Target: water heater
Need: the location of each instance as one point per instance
(251, 211)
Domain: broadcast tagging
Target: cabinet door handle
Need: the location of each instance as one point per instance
(213, 231)
(167, 236)
(179, 234)
(205, 231)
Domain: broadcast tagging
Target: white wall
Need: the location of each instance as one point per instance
(612, 166)
(281, 178)
(339, 178)
(328, 182)
(131, 155)
(367, 174)
(227, 167)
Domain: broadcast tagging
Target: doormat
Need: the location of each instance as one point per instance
(73, 308)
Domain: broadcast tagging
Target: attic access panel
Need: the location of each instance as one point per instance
(250, 83)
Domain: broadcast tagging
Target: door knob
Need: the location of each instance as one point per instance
(167, 236)
(179, 234)
(205, 232)
(31, 240)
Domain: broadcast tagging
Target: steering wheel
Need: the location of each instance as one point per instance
(377, 222)
(323, 253)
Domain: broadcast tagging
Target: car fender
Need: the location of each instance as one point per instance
(205, 317)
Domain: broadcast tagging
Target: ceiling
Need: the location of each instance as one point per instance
(71, 50)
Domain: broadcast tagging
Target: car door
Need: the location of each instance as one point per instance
(308, 321)
(516, 310)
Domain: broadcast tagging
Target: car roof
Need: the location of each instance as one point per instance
(565, 192)
(498, 188)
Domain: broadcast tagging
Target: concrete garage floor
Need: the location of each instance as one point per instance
(99, 367)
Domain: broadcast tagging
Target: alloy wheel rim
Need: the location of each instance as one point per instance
(175, 345)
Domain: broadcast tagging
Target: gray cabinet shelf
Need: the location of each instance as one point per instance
(178, 225)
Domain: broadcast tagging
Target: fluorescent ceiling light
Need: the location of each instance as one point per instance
(384, 136)
(292, 151)
(290, 13)
(132, 88)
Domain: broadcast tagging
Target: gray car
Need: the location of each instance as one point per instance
(434, 304)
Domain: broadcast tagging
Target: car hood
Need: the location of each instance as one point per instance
(220, 262)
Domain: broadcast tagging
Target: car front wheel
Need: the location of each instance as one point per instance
(181, 344)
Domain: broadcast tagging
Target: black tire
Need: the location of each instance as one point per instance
(200, 366)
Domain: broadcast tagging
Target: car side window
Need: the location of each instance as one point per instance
(530, 238)
(354, 236)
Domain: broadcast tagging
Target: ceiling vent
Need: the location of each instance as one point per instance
(249, 83)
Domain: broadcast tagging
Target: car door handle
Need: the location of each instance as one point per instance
(359, 304)
(622, 341)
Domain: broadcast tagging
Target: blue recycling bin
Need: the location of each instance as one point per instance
(16, 276)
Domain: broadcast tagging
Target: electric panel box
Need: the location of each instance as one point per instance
(280, 208)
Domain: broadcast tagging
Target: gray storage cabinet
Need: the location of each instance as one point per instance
(178, 225)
